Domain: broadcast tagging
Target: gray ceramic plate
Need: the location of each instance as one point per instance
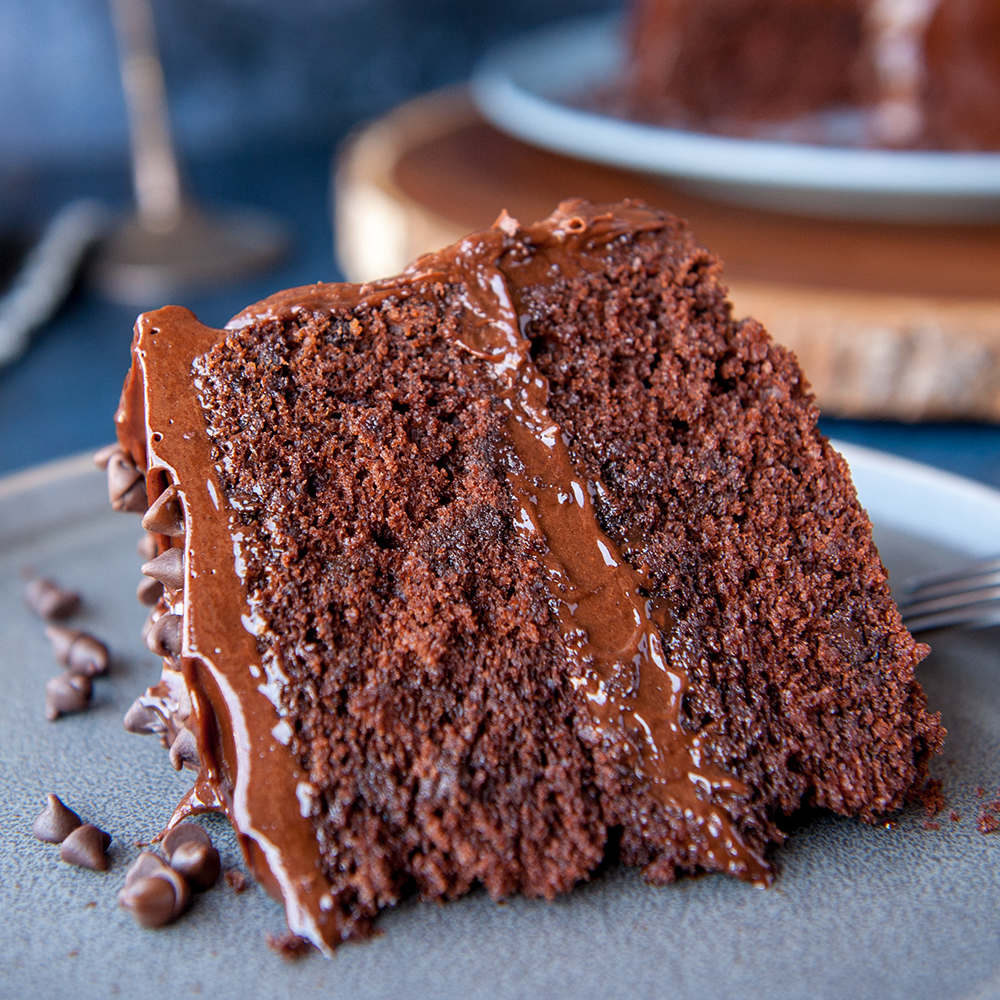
(856, 911)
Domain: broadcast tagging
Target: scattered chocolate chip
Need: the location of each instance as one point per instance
(198, 863)
(165, 515)
(104, 455)
(288, 945)
(168, 568)
(48, 600)
(155, 899)
(151, 901)
(87, 847)
(184, 750)
(146, 546)
(66, 693)
(126, 484)
(164, 635)
(185, 833)
(142, 719)
(80, 651)
(190, 851)
(55, 822)
(150, 904)
(149, 591)
(236, 880)
(145, 865)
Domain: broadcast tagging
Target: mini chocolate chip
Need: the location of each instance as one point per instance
(80, 651)
(168, 568)
(104, 455)
(147, 626)
(184, 750)
(142, 719)
(55, 822)
(146, 546)
(126, 485)
(150, 865)
(198, 863)
(152, 900)
(87, 847)
(164, 635)
(66, 693)
(185, 833)
(48, 600)
(165, 515)
(133, 501)
(145, 865)
(149, 591)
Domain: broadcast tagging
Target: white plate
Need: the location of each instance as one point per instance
(910, 497)
(527, 88)
(856, 910)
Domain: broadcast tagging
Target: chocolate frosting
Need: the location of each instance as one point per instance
(618, 638)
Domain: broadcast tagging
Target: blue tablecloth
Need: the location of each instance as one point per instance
(60, 397)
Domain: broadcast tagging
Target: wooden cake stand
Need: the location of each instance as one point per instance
(888, 320)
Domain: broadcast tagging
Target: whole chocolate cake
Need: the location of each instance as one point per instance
(530, 554)
(925, 73)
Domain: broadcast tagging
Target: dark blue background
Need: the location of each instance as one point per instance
(261, 94)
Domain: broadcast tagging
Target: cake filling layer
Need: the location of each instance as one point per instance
(633, 687)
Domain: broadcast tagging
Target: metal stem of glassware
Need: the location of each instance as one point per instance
(169, 244)
(155, 172)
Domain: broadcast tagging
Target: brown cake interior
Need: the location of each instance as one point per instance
(422, 666)
(721, 62)
(917, 75)
(962, 82)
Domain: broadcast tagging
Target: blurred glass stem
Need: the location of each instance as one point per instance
(168, 244)
(155, 173)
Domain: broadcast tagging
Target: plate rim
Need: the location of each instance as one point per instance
(530, 114)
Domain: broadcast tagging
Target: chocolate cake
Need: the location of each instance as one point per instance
(528, 557)
(924, 73)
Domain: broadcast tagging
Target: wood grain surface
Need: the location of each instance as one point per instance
(888, 320)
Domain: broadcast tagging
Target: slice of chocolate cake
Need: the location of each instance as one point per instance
(475, 573)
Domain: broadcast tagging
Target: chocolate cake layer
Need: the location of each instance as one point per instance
(723, 61)
(529, 552)
(893, 73)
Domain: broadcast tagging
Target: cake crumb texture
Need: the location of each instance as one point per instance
(410, 628)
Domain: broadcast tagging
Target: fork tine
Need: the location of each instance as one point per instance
(960, 585)
(972, 571)
(979, 615)
(969, 597)
(946, 602)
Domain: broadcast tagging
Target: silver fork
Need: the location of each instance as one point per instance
(968, 598)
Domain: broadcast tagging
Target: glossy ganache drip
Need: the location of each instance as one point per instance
(617, 634)
(243, 766)
(633, 685)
